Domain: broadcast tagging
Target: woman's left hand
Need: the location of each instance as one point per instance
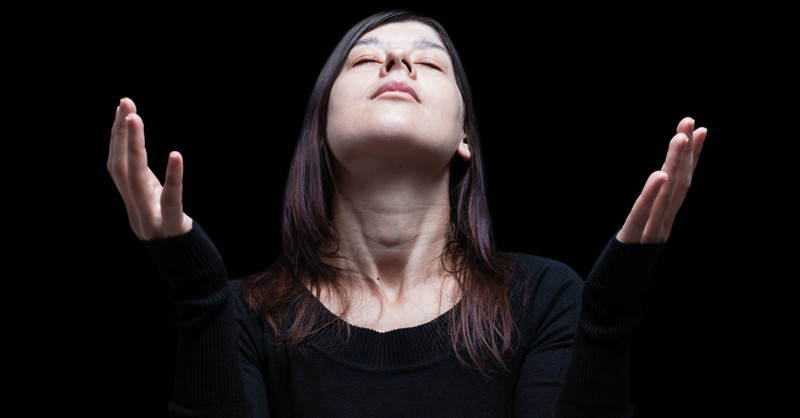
(653, 213)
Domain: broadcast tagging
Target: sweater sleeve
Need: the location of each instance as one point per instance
(209, 381)
(597, 381)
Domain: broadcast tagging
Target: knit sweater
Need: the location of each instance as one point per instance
(571, 350)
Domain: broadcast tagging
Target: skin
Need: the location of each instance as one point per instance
(392, 153)
(392, 156)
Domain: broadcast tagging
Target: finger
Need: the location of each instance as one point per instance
(675, 166)
(142, 183)
(655, 230)
(633, 229)
(172, 196)
(124, 108)
(699, 140)
(684, 174)
(118, 158)
(118, 148)
(112, 142)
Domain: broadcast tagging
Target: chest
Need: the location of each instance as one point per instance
(320, 387)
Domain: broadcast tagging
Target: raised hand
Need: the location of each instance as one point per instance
(653, 213)
(154, 210)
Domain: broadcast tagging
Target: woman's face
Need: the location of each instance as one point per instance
(396, 98)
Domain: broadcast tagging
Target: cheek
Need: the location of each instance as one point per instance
(335, 101)
(451, 108)
(340, 108)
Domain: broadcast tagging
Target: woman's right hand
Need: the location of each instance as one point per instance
(155, 211)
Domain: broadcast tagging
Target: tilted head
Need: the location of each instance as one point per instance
(391, 53)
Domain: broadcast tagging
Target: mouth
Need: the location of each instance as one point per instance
(396, 86)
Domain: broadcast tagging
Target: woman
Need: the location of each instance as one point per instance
(388, 296)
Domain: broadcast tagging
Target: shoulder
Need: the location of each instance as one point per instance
(542, 287)
(538, 271)
(529, 262)
(246, 316)
(237, 297)
(257, 339)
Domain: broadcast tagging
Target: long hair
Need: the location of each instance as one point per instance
(482, 327)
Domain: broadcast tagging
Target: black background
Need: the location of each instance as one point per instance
(575, 105)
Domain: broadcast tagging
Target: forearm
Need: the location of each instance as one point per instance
(598, 377)
(208, 377)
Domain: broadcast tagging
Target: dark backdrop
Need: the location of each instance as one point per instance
(576, 108)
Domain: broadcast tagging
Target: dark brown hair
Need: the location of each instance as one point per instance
(482, 326)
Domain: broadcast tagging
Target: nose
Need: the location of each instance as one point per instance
(398, 59)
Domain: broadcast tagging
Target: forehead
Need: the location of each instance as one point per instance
(406, 34)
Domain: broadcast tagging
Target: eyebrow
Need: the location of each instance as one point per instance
(419, 43)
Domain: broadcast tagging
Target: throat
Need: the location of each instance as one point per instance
(384, 309)
(393, 316)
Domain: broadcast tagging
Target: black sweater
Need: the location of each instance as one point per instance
(571, 357)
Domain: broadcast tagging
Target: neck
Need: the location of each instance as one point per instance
(392, 225)
(393, 228)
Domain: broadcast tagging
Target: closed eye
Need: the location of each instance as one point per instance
(430, 64)
(365, 61)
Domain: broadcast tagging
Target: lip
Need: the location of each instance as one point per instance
(398, 86)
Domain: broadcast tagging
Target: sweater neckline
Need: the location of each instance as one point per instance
(399, 349)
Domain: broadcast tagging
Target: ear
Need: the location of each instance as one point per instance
(463, 150)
